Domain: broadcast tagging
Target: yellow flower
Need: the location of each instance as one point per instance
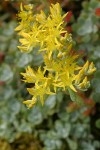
(41, 30)
(26, 17)
(60, 69)
(81, 81)
(29, 76)
(39, 92)
(41, 18)
(84, 85)
(30, 103)
(64, 81)
(91, 69)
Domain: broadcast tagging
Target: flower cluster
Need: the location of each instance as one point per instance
(61, 70)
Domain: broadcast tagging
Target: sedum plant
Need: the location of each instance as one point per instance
(60, 70)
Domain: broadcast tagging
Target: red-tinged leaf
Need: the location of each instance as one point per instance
(40, 7)
(81, 52)
(87, 112)
(68, 16)
(69, 29)
(2, 83)
(63, 34)
(89, 102)
(72, 107)
(1, 57)
(97, 12)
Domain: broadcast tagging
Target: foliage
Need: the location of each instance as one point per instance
(59, 124)
(86, 32)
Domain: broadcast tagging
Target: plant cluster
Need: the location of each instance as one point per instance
(60, 70)
(60, 124)
(87, 35)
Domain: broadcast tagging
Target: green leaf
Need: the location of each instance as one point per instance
(72, 144)
(9, 30)
(52, 142)
(87, 146)
(72, 95)
(96, 84)
(8, 92)
(94, 4)
(62, 129)
(86, 28)
(14, 106)
(51, 101)
(97, 74)
(24, 59)
(37, 57)
(35, 116)
(6, 73)
(64, 116)
(96, 96)
(98, 123)
(24, 127)
(60, 96)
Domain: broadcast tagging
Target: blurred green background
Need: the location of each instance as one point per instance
(60, 124)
